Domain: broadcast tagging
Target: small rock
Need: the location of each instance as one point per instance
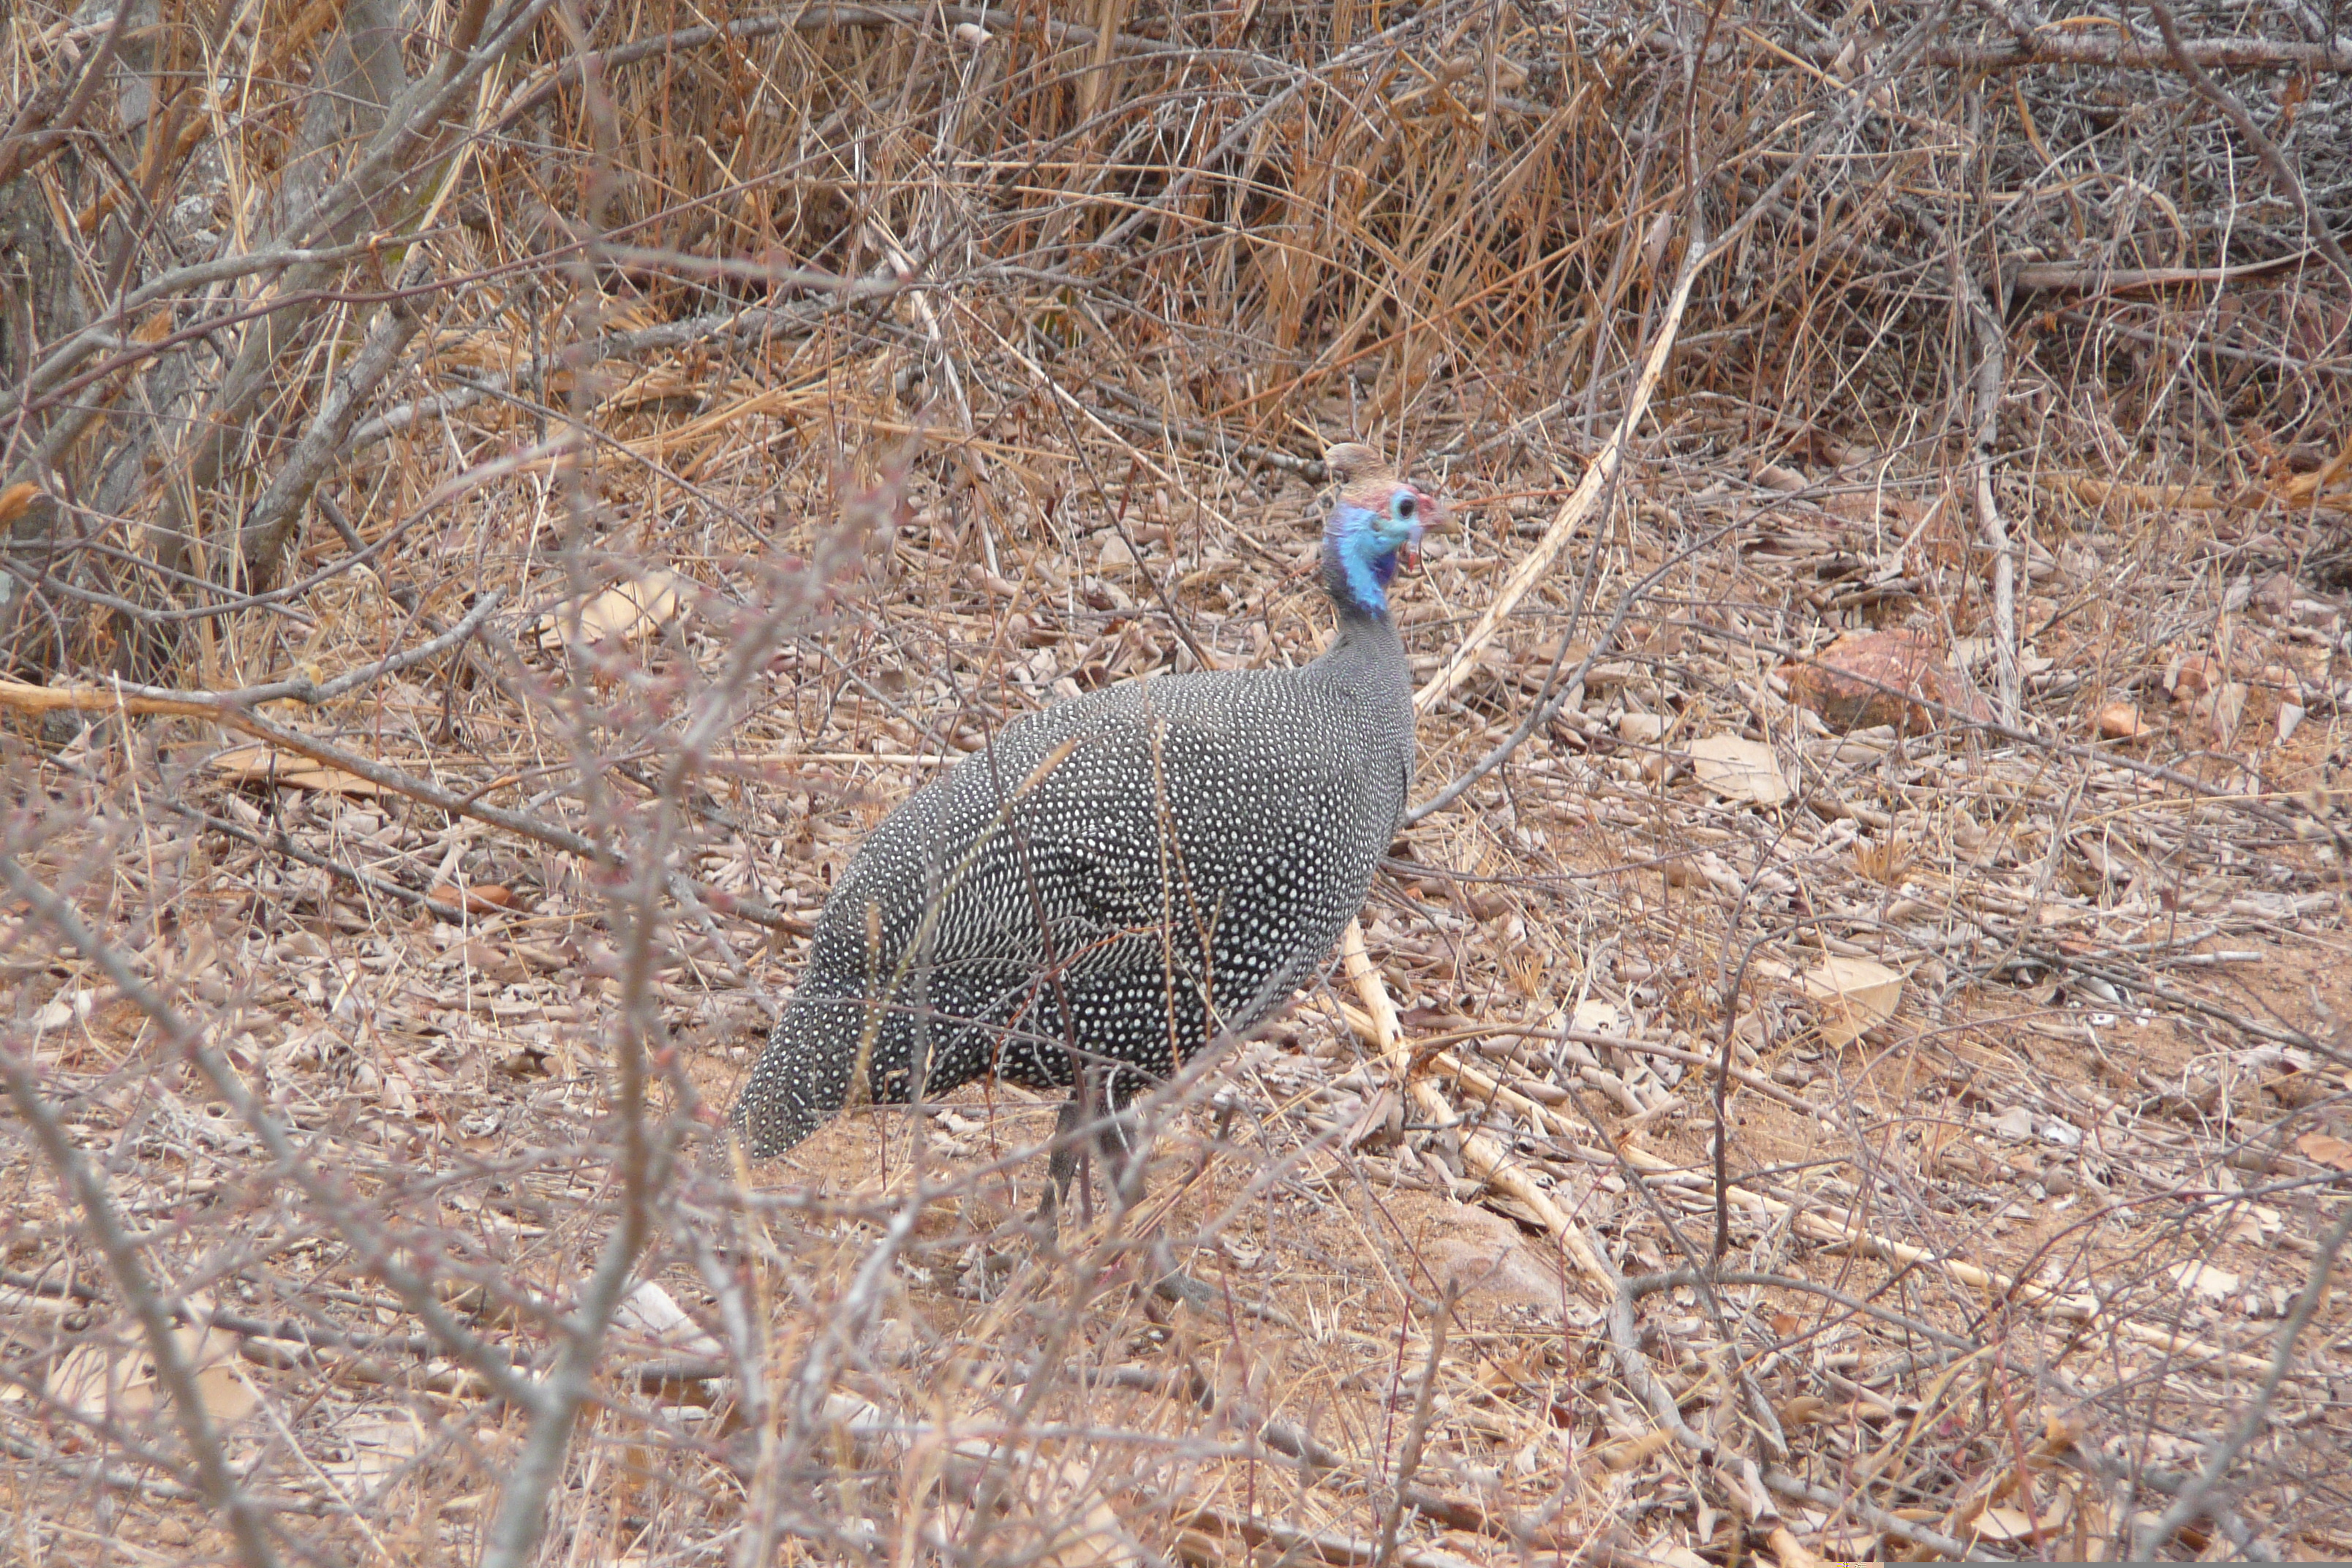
(1484, 1255)
(1869, 678)
(2274, 593)
(2228, 706)
(2121, 721)
(1640, 729)
(2192, 676)
(2316, 613)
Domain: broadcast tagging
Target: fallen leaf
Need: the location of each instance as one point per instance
(622, 613)
(1640, 729)
(2061, 1430)
(2000, 1523)
(378, 1444)
(2186, 498)
(1623, 1455)
(1851, 995)
(268, 765)
(2228, 706)
(655, 1313)
(2205, 1279)
(2302, 488)
(2326, 1150)
(528, 1061)
(1739, 769)
(1600, 1018)
(1790, 1551)
(481, 899)
(119, 1382)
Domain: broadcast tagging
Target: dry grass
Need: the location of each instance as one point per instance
(744, 423)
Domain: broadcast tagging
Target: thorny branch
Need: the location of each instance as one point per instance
(1240, 235)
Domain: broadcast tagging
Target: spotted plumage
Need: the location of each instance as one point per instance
(1119, 879)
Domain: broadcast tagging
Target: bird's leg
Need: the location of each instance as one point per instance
(1072, 1157)
(1118, 1139)
(1063, 1164)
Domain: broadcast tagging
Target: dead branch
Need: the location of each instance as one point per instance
(262, 538)
(2104, 50)
(2225, 1453)
(1984, 394)
(129, 697)
(1416, 1433)
(220, 1487)
(2290, 184)
(2071, 277)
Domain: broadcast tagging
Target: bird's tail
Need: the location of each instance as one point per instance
(819, 1057)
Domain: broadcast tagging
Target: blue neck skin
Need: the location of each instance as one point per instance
(1358, 563)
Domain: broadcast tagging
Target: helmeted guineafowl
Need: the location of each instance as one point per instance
(1119, 879)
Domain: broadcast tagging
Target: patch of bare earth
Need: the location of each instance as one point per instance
(1847, 1059)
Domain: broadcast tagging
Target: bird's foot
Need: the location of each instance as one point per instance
(1069, 1163)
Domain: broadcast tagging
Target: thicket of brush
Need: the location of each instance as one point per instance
(500, 496)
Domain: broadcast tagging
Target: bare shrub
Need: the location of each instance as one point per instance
(501, 498)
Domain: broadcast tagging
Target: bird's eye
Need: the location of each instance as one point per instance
(1405, 506)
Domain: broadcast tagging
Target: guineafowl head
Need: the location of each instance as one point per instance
(1376, 521)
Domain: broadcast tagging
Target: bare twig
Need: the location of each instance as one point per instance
(231, 708)
(2289, 183)
(1582, 502)
(267, 527)
(2193, 1498)
(130, 697)
(1984, 395)
(221, 1488)
(647, 1152)
(413, 1288)
(50, 116)
(744, 326)
(2102, 51)
(1441, 1316)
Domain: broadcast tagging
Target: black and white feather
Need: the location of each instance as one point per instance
(1121, 879)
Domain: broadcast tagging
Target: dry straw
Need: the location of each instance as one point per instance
(1846, 1061)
